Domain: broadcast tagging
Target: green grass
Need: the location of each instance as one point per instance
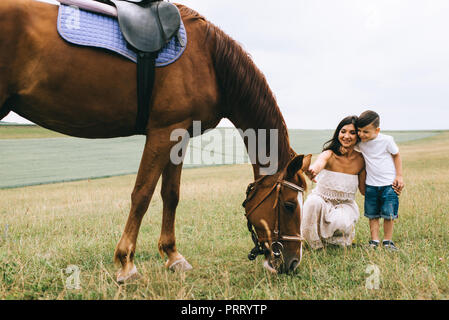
(44, 229)
(30, 155)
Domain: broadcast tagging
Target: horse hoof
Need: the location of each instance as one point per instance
(124, 277)
(180, 265)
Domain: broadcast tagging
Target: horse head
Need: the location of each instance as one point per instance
(273, 208)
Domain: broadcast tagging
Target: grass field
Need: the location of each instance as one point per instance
(30, 155)
(8, 131)
(44, 229)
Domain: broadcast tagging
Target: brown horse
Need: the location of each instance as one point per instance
(89, 93)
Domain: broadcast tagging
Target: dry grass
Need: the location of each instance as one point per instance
(43, 229)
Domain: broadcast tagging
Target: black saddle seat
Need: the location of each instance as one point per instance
(147, 25)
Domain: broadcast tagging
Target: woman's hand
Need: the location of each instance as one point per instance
(318, 165)
(311, 173)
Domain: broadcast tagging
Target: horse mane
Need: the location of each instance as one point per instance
(244, 88)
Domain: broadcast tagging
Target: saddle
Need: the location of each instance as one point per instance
(147, 25)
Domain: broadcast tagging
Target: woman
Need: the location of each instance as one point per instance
(330, 212)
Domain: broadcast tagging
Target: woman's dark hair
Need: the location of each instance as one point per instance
(334, 144)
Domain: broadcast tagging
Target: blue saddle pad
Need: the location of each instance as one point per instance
(91, 29)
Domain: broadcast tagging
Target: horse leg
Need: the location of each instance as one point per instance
(3, 111)
(171, 179)
(155, 156)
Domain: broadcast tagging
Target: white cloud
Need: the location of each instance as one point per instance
(327, 59)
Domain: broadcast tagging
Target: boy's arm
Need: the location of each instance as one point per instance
(398, 183)
(362, 182)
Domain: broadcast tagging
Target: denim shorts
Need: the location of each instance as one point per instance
(381, 202)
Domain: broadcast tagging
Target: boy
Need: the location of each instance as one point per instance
(383, 177)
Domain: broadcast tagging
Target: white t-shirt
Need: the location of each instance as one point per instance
(380, 169)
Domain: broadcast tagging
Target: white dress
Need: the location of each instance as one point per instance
(330, 211)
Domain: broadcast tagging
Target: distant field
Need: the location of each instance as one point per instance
(30, 155)
(26, 132)
(44, 229)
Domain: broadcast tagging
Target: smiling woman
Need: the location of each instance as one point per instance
(330, 212)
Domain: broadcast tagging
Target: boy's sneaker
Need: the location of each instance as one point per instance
(389, 245)
(373, 244)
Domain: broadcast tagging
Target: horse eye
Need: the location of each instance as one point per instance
(290, 206)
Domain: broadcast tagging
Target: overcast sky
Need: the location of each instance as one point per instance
(325, 59)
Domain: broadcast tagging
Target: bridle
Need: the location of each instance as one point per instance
(276, 246)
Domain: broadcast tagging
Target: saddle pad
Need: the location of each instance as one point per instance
(91, 29)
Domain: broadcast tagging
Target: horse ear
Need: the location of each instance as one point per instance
(306, 162)
(295, 164)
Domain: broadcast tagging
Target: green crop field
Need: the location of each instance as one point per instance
(30, 155)
(11, 131)
(47, 228)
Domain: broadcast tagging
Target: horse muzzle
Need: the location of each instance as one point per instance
(277, 262)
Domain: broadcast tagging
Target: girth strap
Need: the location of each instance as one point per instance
(145, 84)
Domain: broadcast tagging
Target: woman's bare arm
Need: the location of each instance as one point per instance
(319, 165)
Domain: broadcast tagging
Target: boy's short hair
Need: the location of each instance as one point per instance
(368, 117)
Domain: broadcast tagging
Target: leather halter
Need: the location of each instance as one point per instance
(276, 246)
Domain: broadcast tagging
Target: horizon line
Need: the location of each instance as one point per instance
(7, 123)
